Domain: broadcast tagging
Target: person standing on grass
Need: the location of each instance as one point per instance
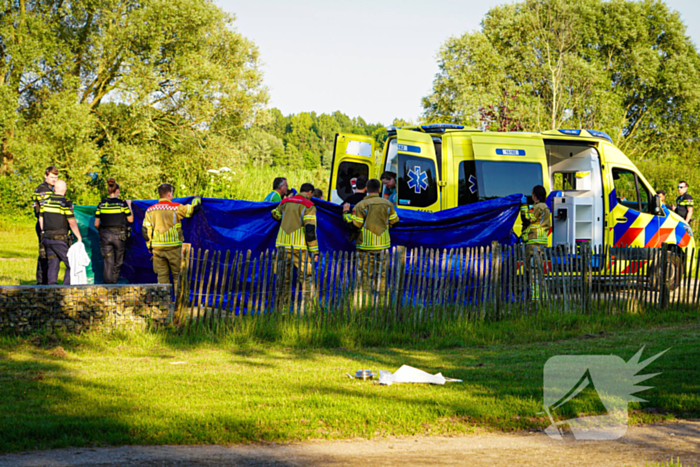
(684, 202)
(372, 216)
(279, 190)
(112, 219)
(297, 235)
(56, 218)
(162, 230)
(536, 224)
(536, 221)
(41, 194)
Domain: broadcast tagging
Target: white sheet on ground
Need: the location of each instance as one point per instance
(408, 374)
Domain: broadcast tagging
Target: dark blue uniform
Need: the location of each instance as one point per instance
(113, 213)
(56, 212)
(41, 194)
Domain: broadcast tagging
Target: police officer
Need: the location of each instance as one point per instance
(297, 234)
(56, 217)
(684, 202)
(40, 196)
(162, 230)
(112, 219)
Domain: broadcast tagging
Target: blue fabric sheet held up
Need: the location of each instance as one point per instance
(245, 225)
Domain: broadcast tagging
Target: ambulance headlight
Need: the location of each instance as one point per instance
(688, 229)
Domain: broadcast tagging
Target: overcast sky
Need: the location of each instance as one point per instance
(368, 58)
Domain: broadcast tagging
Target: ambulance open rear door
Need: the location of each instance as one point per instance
(353, 156)
(417, 180)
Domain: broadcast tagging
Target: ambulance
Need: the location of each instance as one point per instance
(600, 197)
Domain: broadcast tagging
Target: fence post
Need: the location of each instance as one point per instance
(585, 259)
(182, 283)
(664, 292)
(496, 278)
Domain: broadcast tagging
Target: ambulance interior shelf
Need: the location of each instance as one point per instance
(577, 209)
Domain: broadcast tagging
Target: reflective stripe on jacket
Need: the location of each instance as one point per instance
(373, 216)
(297, 217)
(540, 221)
(162, 226)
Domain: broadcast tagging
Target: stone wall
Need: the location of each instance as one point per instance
(82, 307)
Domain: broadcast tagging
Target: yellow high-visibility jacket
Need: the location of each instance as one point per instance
(297, 217)
(536, 224)
(373, 215)
(162, 227)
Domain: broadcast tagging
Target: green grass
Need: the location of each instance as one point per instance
(18, 239)
(124, 388)
(18, 252)
(670, 463)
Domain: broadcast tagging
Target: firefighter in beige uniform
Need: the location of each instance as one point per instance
(297, 234)
(162, 230)
(372, 216)
(536, 225)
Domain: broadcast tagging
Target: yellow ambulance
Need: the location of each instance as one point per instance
(600, 196)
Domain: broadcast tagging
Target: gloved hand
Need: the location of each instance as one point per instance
(523, 200)
(294, 192)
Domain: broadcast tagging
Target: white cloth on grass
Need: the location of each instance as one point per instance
(408, 374)
(78, 260)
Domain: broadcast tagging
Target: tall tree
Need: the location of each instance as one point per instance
(621, 66)
(189, 80)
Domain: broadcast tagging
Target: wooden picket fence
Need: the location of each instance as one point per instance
(420, 285)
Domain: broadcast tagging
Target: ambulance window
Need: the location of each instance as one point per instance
(467, 191)
(437, 142)
(392, 161)
(625, 182)
(643, 196)
(563, 181)
(499, 179)
(416, 181)
(346, 172)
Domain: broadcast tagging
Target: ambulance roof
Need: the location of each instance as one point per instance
(441, 128)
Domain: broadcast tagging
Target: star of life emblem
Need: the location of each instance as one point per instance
(418, 180)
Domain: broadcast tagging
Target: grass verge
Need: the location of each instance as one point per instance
(18, 252)
(226, 386)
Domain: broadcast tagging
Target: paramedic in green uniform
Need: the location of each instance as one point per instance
(279, 190)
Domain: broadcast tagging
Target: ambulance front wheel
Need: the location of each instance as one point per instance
(674, 270)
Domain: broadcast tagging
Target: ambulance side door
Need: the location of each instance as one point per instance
(630, 222)
(417, 180)
(353, 156)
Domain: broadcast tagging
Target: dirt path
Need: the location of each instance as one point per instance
(641, 444)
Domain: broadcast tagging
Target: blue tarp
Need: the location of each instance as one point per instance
(245, 225)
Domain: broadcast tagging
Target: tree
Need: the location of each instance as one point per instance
(624, 67)
(189, 82)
